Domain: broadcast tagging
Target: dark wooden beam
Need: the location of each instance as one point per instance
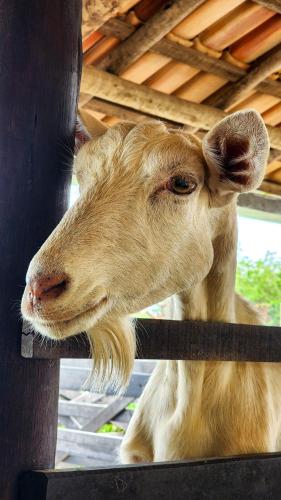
(251, 477)
(167, 339)
(39, 80)
(168, 16)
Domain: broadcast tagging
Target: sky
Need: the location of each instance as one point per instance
(255, 237)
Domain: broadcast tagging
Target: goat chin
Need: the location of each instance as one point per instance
(113, 348)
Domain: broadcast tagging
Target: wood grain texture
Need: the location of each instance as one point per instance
(166, 18)
(113, 88)
(39, 79)
(122, 112)
(236, 91)
(96, 12)
(190, 56)
(252, 477)
(75, 379)
(197, 340)
(107, 414)
(118, 28)
(97, 83)
(258, 202)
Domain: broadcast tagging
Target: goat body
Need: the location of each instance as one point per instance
(192, 409)
(156, 217)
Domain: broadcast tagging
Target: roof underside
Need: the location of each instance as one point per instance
(186, 62)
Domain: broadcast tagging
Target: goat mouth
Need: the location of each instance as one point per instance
(67, 321)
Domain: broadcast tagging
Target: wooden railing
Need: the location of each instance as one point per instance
(252, 477)
(168, 339)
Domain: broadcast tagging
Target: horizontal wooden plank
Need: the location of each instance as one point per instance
(74, 378)
(122, 112)
(84, 410)
(247, 477)
(103, 446)
(260, 202)
(167, 339)
(77, 461)
(96, 453)
(103, 441)
(97, 83)
(140, 366)
(106, 414)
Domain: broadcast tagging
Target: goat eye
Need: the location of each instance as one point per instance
(181, 185)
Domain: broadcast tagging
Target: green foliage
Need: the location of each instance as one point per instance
(132, 406)
(260, 282)
(110, 428)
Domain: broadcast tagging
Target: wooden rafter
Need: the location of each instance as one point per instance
(97, 83)
(191, 57)
(271, 187)
(219, 67)
(125, 113)
(97, 12)
(122, 112)
(118, 28)
(229, 95)
(147, 35)
(271, 4)
(112, 88)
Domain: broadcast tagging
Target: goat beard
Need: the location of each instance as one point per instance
(113, 348)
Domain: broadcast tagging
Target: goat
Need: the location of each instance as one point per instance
(156, 217)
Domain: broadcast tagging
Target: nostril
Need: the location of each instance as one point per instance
(56, 289)
(47, 287)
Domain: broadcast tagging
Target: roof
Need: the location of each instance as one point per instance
(187, 62)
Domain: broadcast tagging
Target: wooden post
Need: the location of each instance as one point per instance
(39, 79)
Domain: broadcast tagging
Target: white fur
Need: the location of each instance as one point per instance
(129, 242)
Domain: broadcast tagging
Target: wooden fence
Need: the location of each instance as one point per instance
(247, 477)
(82, 413)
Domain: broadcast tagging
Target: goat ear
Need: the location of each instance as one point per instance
(236, 152)
(87, 128)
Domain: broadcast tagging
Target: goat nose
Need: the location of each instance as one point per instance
(46, 287)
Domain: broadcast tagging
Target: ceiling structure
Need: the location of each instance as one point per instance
(187, 62)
